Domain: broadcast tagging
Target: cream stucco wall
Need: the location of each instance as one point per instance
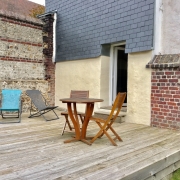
(170, 27)
(104, 80)
(139, 88)
(93, 75)
(87, 74)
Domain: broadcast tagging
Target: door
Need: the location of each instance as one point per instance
(118, 71)
(121, 72)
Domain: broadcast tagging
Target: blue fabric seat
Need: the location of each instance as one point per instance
(11, 104)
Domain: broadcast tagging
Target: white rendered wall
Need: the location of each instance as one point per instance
(139, 88)
(158, 17)
(170, 27)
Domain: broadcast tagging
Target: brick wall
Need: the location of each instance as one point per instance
(165, 98)
(22, 62)
(48, 53)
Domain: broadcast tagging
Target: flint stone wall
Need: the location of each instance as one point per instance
(15, 30)
(22, 62)
(12, 70)
(14, 49)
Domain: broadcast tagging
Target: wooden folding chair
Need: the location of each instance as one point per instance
(106, 124)
(74, 94)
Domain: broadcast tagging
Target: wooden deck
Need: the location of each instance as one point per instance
(34, 150)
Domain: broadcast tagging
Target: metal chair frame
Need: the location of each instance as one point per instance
(7, 104)
(40, 103)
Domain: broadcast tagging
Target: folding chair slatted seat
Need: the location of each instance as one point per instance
(106, 124)
(11, 105)
(74, 94)
(40, 104)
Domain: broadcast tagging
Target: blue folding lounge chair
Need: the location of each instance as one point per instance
(11, 102)
(40, 104)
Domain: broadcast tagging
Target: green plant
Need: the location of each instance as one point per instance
(176, 175)
(36, 11)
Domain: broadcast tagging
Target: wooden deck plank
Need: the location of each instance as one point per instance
(110, 158)
(34, 149)
(124, 160)
(118, 168)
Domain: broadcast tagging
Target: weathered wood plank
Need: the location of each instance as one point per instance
(35, 149)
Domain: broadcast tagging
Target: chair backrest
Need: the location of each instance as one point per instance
(116, 106)
(11, 99)
(79, 94)
(37, 99)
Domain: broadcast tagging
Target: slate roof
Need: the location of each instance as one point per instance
(164, 61)
(21, 7)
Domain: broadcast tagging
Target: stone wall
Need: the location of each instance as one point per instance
(22, 62)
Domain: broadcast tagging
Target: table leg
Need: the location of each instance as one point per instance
(88, 114)
(74, 118)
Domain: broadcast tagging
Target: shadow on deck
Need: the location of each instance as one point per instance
(34, 149)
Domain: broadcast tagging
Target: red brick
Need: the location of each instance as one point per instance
(161, 106)
(154, 80)
(162, 102)
(174, 111)
(173, 126)
(162, 84)
(167, 96)
(171, 107)
(177, 73)
(155, 123)
(159, 73)
(174, 115)
(171, 103)
(165, 110)
(178, 119)
(160, 117)
(163, 88)
(163, 80)
(164, 125)
(158, 95)
(169, 73)
(154, 87)
(170, 118)
(176, 96)
(173, 80)
(156, 98)
(155, 112)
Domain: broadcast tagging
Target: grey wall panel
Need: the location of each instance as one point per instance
(83, 26)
